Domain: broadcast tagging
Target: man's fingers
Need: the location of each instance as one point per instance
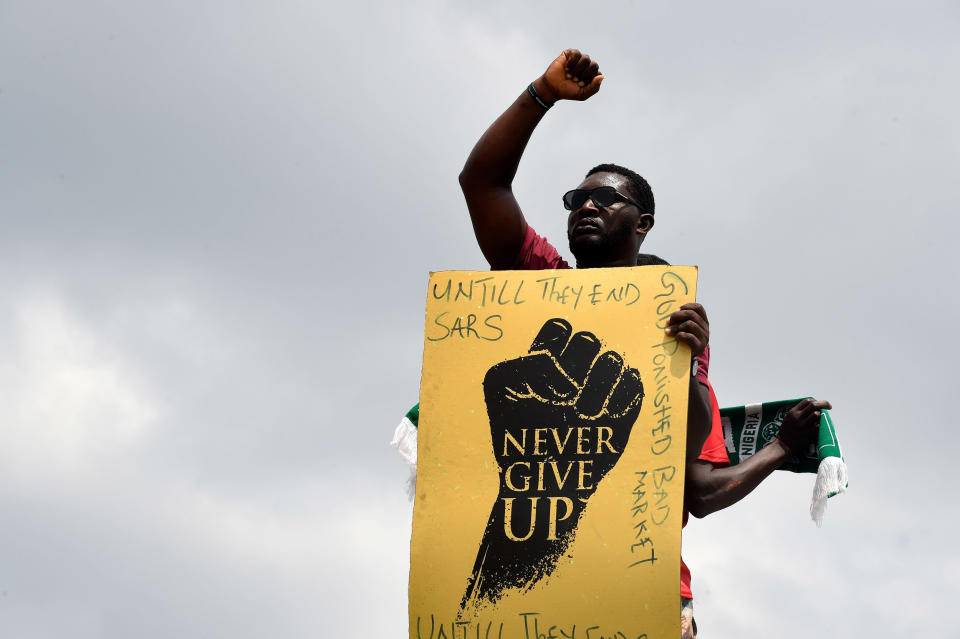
(573, 76)
(599, 383)
(802, 412)
(583, 73)
(592, 88)
(690, 327)
(573, 58)
(697, 308)
(818, 406)
(800, 426)
(579, 70)
(697, 344)
(805, 416)
(586, 74)
(553, 337)
(687, 315)
(576, 358)
(809, 405)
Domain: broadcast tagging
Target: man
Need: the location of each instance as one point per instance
(610, 214)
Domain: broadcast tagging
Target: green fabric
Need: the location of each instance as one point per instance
(414, 414)
(747, 429)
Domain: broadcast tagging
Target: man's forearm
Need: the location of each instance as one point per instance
(494, 159)
(711, 489)
(486, 180)
(487, 176)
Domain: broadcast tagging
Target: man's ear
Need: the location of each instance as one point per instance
(644, 224)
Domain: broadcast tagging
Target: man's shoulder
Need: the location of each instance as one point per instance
(537, 253)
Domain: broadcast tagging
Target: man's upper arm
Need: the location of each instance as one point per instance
(498, 223)
(698, 472)
(703, 482)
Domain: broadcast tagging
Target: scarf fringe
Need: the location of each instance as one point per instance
(831, 480)
(405, 441)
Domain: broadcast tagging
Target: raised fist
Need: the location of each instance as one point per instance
(560, 417)
(571, 76)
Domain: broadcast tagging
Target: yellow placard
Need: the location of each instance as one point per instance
(552, 431)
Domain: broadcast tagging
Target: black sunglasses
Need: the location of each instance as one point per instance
(602, 196)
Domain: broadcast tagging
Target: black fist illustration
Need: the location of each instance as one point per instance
(560, 417)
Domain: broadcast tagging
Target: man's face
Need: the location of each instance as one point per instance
(604, 234)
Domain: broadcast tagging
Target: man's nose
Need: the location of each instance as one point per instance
(589, 206)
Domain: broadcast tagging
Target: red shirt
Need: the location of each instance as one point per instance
(536, 254)
(713, 451)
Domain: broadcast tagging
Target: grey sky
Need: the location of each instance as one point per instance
(218, 220)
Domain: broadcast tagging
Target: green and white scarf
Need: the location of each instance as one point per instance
(405, 441)
(746, 429)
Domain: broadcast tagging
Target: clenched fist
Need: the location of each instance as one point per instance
(799, 429)
(560, 417)
(571, 76)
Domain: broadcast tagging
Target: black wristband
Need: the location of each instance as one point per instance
(533, 94)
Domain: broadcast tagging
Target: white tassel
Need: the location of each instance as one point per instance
(831, 480)
(405, 441)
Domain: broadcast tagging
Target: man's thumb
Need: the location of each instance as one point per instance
(593, 87)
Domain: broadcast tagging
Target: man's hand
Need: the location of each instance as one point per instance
(571, 76)
(801, 425)
(690, 326)
(710, 489)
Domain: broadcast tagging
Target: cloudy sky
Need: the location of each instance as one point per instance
(218, 220)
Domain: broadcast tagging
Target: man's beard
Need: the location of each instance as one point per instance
(597, 250)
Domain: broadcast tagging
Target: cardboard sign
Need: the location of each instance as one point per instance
(551, 444)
